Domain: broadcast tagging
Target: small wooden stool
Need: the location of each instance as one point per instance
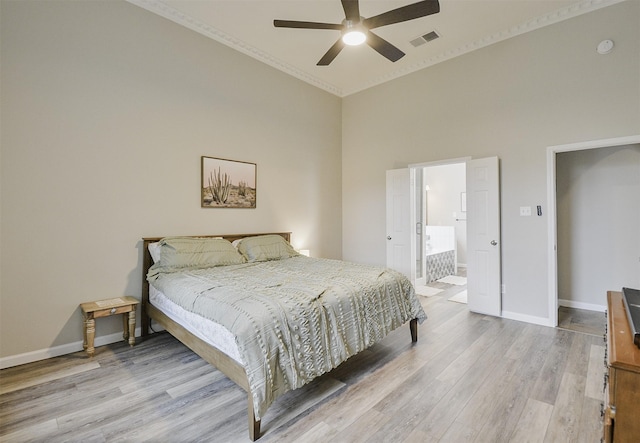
(104, 308)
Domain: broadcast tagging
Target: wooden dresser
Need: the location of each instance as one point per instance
(622, 384)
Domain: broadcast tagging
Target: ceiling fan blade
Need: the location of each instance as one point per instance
(351, 10)
(383, 47)
(305, 25)
(403, 14)
(331, 53)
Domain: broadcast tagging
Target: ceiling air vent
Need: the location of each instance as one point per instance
(430, 36)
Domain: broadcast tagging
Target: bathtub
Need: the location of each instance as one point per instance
(440, 251)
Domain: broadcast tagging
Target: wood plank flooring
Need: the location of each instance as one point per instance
(470, 378)
(580, 320)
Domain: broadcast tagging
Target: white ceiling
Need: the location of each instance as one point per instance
(464, 25)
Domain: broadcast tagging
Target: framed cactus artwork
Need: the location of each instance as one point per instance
(227, 183)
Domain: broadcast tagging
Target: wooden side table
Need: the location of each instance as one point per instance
(104, 308)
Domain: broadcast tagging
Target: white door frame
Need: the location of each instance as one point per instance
(552, 220)
(439, 163)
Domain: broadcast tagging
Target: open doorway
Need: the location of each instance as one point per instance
(441, 231)
(568, 271)
(598, 208)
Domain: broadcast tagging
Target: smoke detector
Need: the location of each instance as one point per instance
(605, 47)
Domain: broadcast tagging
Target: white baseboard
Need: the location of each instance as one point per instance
(581, 305)
(542, 321)
(69, 348)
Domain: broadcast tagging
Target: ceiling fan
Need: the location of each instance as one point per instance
(356, 29)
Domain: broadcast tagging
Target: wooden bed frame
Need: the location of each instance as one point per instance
(211, 354)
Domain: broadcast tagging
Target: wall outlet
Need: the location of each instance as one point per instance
(525, 211)
(503, 289)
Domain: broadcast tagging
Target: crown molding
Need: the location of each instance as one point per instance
(160, 8)
(551, 18)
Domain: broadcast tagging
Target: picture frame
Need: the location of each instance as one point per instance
(227, 183)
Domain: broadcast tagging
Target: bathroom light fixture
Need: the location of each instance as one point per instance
(353, 34)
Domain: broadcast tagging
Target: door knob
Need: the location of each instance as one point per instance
(493, 242)
(388, 237)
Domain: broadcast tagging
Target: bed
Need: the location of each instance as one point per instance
(266, 316)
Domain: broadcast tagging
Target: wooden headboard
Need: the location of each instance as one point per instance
(147, 262)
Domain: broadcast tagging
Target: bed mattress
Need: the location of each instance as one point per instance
(206, 330)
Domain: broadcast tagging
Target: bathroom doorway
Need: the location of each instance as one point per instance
(441, 231)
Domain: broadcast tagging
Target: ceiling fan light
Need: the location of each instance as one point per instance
(354, 38)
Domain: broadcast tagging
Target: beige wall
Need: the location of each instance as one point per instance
(106, 110)
(512, 99)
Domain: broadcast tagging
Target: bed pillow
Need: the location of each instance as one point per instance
(181, 252)
(265, 247)
(154, 251)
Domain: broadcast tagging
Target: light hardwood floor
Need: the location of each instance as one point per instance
(470, 378)
(580, 320)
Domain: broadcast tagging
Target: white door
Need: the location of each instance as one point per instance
(483, 236)
(400, 229)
